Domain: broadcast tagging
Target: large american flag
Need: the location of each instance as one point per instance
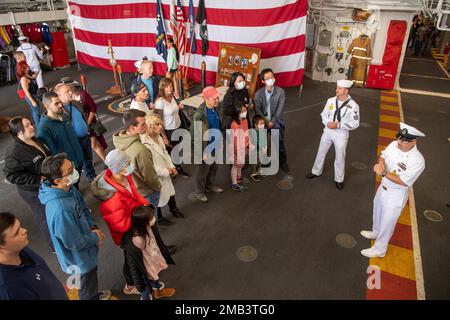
(277, 27)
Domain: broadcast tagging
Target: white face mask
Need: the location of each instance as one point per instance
(243, 115)
(260, 126)
(130, 170)
(240, 85)
(73, 178)
(270, 82)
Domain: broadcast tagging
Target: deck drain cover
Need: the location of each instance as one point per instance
(345, 240)
(433, 215)
(365, 124)
(359, 165)
(247, 253)
(285, 184)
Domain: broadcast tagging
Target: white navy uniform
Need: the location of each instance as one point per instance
(391, 197)
(349, 120)
(33, 55)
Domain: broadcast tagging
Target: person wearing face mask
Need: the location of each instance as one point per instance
(117, 192)
(239, 147)
(237, 93)
(23, 162)
(74, 234)
(269, 103)
(57, 133)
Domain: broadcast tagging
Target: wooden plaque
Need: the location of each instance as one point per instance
(234, 58)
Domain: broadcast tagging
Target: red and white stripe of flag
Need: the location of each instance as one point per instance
(181, 32)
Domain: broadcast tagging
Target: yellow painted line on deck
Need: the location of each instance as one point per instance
(389, 107)
(386, 133)
(388, 99)
(398, 261)
(405, 217)
(391, 119)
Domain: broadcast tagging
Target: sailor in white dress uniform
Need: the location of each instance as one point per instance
(340, 115)
(400, 164)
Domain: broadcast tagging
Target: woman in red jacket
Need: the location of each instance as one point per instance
(119, 196)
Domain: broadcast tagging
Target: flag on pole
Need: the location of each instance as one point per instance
(173, 21)
(160, 32)
(181, 30)
(201, 20)
(192, 39)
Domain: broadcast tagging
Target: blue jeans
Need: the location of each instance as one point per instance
(153, 198)
(283, 155)
(35, 114)
(89, 286)
(150, 285)
(88, 165)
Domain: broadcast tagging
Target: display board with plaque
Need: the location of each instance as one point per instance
(234, 58)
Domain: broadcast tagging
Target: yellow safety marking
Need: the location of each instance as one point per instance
(382, 132)
(389, 99)
(405, 217)
(389, 107)
(398, 261)
(391, 119)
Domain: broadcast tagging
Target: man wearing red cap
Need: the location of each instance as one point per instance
(206, 117)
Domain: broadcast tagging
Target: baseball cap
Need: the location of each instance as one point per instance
(210, 92)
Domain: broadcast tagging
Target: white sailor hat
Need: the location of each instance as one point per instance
(137, 64)
(344, 83)
(409, 133)
(21, 38)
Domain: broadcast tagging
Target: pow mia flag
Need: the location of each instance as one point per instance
(201, 20)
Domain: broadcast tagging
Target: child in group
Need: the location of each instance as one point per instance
(240, 145)
(146, 255)
(259, 141)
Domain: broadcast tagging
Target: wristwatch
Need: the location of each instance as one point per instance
(384, 174)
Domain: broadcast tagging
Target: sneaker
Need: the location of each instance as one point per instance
(284, 166)
(255, 177)
(214, 189)
(130, 290)
(177, 213)
(201, 197)
(172, 249)
(164, 222)
(183, 173)
(163, 292)
(104, 295)
(237, 187)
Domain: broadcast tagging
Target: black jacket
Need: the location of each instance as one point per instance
(135, 259)
(23, 164)
(231, 98)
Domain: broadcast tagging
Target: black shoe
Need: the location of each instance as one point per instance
(182, 173)
(177, 213)
(284, 166)
(172, 249)
(164, 222)
(339, 185)
(311, 176)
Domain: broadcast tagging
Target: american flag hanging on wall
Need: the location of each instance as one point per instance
(277, 27)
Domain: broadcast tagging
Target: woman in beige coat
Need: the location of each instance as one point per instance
(162, 162)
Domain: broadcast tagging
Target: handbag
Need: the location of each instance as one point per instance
(98, 127)
(20, 92)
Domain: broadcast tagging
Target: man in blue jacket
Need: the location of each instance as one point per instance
(57, 132)
(24, 275)
(74, 235)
